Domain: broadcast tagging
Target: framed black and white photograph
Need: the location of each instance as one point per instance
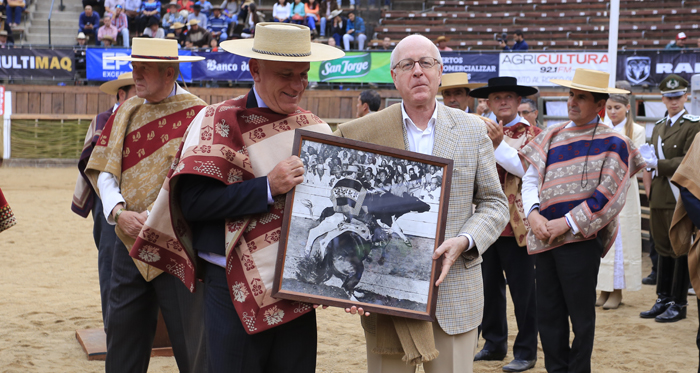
(362, 227)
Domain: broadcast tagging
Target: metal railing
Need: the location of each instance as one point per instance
(61, 8)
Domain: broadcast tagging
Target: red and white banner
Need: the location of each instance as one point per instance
(2, 100)
(535, 69)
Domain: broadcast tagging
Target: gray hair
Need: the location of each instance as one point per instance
(394, 54)
(530, 103)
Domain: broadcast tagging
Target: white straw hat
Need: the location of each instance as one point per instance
(590, 81)
(282, 42)
(155, 50)
(112, 87)
(457, 80)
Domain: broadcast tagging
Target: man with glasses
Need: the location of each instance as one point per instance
(419, 124)
(528, 110)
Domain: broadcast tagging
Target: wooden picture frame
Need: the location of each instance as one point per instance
(372, 233)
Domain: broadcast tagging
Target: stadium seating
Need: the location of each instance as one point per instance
(548, 24)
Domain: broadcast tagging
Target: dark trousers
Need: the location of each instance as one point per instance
(653, 255)
(697, 339)
(105, 237)
(506, 255)
(133, 316)
(566, 282)
(290, 347)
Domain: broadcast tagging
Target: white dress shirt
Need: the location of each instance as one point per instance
(507, 156)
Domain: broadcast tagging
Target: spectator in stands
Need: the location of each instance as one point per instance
(154, 31)
(520, 43)
(338, 29)
(251, 20)
(205, 6)
(455, 90)
(368, 102)
(355, 29)
(312, 10)
(149, 10)
(88, 22)
(281, 11)
(2, 8)
(172, 16)
(331, 42)
(107, 41)
(386, 44)
(14, 9)
(197, 36)
(186, 5)
(441, 43)
(131, 9)
(107, 29)
(327, 9)
(97, 5)
(218, 24)
(679, 43)
(231, 8)
(198, 15)
(7, 28)
(111, 6)
(528, 110)
(298, 12)
(503, 44)
(3, 39)
(180, 36)
(79, 52)
(122, 24)
(81, 40)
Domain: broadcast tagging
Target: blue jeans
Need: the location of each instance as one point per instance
(14, 14)
(323, 26)
(311, 20)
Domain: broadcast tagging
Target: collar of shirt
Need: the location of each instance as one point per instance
(172, 93)
(261, 103)
(415, 134)
(620, 127)
(596, 119)
(674, 118)
(518, 119)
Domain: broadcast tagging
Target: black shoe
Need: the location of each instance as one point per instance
(659, 307)
(519, 365)
(650, 280)
(673, 313)
(485, 355)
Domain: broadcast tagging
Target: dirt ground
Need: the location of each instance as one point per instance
(49, 288)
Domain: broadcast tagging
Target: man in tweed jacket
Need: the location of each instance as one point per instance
(421, 124)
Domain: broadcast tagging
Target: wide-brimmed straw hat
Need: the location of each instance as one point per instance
(193, 22)
(108, 37)
(112, 87)
(81, 35)
(177, 25)
(336, 13)
(503, 84)
(155, 50)
(441, 38)
(457, 80)
(170, 36)
(276, 41)
(590, 81)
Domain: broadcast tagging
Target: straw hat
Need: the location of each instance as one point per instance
(170, 36)
(154, 50)
(177, 25)
(503, 84)
(193, 22)
(441, 38)
(173, 4)
(589, 81)
(217, 7)
(112, 87)
(276, 41)
(108, 37)
(81, 35)
(457, 80)
(3, 33)
(336, 13)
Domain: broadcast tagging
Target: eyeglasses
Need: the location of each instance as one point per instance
(525, 112)
(423, 62)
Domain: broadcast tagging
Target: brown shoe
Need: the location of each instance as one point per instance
(602, 298)
(614, 300)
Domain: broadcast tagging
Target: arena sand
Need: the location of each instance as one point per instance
(49, 288)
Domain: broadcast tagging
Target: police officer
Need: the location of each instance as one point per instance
(671, 139)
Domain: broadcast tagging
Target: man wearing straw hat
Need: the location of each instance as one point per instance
(420, 124)
(127, 167)
(455, 90)
(507, 254)
(573, 190)
(84, 197)
(226, 198)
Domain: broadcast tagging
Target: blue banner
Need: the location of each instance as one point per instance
(101, 69)
(480, 67)
(221, 66)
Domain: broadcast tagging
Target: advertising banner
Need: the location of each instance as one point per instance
(221, 66)
(651, 67)
(355, 67)
(479, 67)
(101, 69)
(535, 69)
(37, 63)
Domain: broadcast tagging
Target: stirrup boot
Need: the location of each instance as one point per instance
(679, 307)
(664, 284)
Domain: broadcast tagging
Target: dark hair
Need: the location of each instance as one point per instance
(371, 98)
(597, 97)
(530, 103)
(519, 32)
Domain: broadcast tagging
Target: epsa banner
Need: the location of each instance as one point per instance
(101, 69)
(355, 67)
(479, 67)
(221, 66)
(642, 67)
(535, 69)
(37, 63)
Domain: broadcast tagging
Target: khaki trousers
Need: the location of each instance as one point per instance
(456, 355)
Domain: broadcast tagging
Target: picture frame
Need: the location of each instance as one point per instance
(362, 227)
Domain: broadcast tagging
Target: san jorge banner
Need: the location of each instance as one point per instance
(37, 63)
(535, 69)
(355, 67)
